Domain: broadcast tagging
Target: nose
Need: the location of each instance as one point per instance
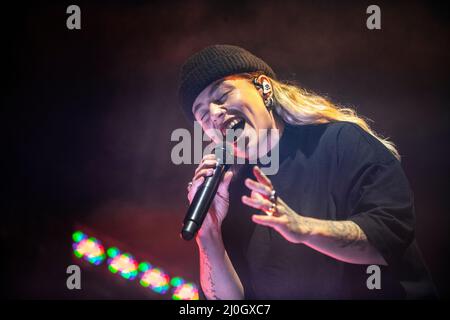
(217, 113)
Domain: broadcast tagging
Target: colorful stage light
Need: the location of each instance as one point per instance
(124, 264)
(176, 281)
(112, 252)
(144, 266)
(185, 291)
(77, 236)
(88, 248)
(155, 278)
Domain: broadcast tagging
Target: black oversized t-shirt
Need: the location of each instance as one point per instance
(333, 171)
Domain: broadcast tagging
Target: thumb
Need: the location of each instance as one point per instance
(226, 181)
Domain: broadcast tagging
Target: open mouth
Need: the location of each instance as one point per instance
(234, 126)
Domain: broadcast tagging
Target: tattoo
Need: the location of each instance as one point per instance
(307, 225)
(210, 289)
(348, 234)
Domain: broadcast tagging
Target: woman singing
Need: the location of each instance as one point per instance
(339, 202)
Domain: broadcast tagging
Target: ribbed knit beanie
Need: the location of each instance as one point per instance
(213, 63)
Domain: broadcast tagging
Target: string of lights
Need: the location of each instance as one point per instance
(124, 264)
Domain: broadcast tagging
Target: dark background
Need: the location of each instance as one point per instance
(88, 114)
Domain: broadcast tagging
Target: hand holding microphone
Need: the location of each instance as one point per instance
(208, 197)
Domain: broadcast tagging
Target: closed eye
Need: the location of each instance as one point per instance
(202, 118)
(223, 98)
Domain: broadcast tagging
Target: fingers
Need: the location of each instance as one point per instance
(261, 191)
(209, 156)
(258, 187)
(269, 221)
(223, 187)
(197, 183)
(257, 202)
(206, 167)
(203, 173)
(209, 163)
(261, 177)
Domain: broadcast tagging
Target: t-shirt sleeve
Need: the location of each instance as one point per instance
(376, 192)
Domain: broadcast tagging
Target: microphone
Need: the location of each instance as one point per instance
(205, 194)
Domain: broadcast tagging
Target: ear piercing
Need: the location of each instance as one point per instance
(267, 92)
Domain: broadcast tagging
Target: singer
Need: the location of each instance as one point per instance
(338, 203)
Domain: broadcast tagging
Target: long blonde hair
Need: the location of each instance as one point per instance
(298, 106)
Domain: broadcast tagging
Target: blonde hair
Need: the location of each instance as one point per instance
(297, 106)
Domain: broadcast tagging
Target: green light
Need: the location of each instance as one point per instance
(144, 266)
(112, 252)
(112, 269)
(144, 283)
(175, 282)
(77, 236)
(77, 253)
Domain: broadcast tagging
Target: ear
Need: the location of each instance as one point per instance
(264, 83)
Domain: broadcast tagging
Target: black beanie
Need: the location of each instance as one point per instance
(213, 63)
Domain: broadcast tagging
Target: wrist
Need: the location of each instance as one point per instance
(309, 227)
(208, 236)
(211, 246)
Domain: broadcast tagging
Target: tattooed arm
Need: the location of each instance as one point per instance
(218, 278)
(342, 240)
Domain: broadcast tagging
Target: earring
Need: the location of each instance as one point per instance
(267, 93)
(269, 103)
